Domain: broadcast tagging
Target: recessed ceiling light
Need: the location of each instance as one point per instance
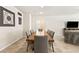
(42, 6)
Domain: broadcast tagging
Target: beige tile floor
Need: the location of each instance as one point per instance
(59, 45)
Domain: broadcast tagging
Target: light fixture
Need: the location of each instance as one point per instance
(42, 6)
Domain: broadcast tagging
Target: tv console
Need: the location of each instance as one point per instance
(71, 35)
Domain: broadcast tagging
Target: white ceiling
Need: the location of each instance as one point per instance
(50, 10)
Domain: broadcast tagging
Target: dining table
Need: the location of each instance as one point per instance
(30, 39)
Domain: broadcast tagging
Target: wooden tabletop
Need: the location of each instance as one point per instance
(31, 37)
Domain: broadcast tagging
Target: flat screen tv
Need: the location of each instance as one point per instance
(72, 24)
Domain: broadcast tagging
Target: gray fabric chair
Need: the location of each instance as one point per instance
(41, 44)
(51, 33)
(28, 42)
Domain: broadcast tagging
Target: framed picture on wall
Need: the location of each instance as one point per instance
(19, 14)
(7, 17)
(20, 20)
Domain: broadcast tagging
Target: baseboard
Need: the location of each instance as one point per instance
(10, 44)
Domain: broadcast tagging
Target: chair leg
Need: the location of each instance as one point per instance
(33, 48)
(52, 47)
(27, 47)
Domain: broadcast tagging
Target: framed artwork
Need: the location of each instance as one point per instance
(7, 17)
(19, 14)
(20, 20)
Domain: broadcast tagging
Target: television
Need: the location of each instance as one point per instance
(72, 24)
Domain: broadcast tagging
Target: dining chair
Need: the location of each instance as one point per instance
(51, 33)
(28, 42)
(41, 44)
(52, 41)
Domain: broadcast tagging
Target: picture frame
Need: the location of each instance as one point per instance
(20, 20)
(7, 17)
(19, 14)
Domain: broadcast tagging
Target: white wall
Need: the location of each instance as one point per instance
(56, 23)
(25, 22)
(9, 35)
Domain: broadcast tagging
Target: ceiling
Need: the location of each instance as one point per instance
(50, 10)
